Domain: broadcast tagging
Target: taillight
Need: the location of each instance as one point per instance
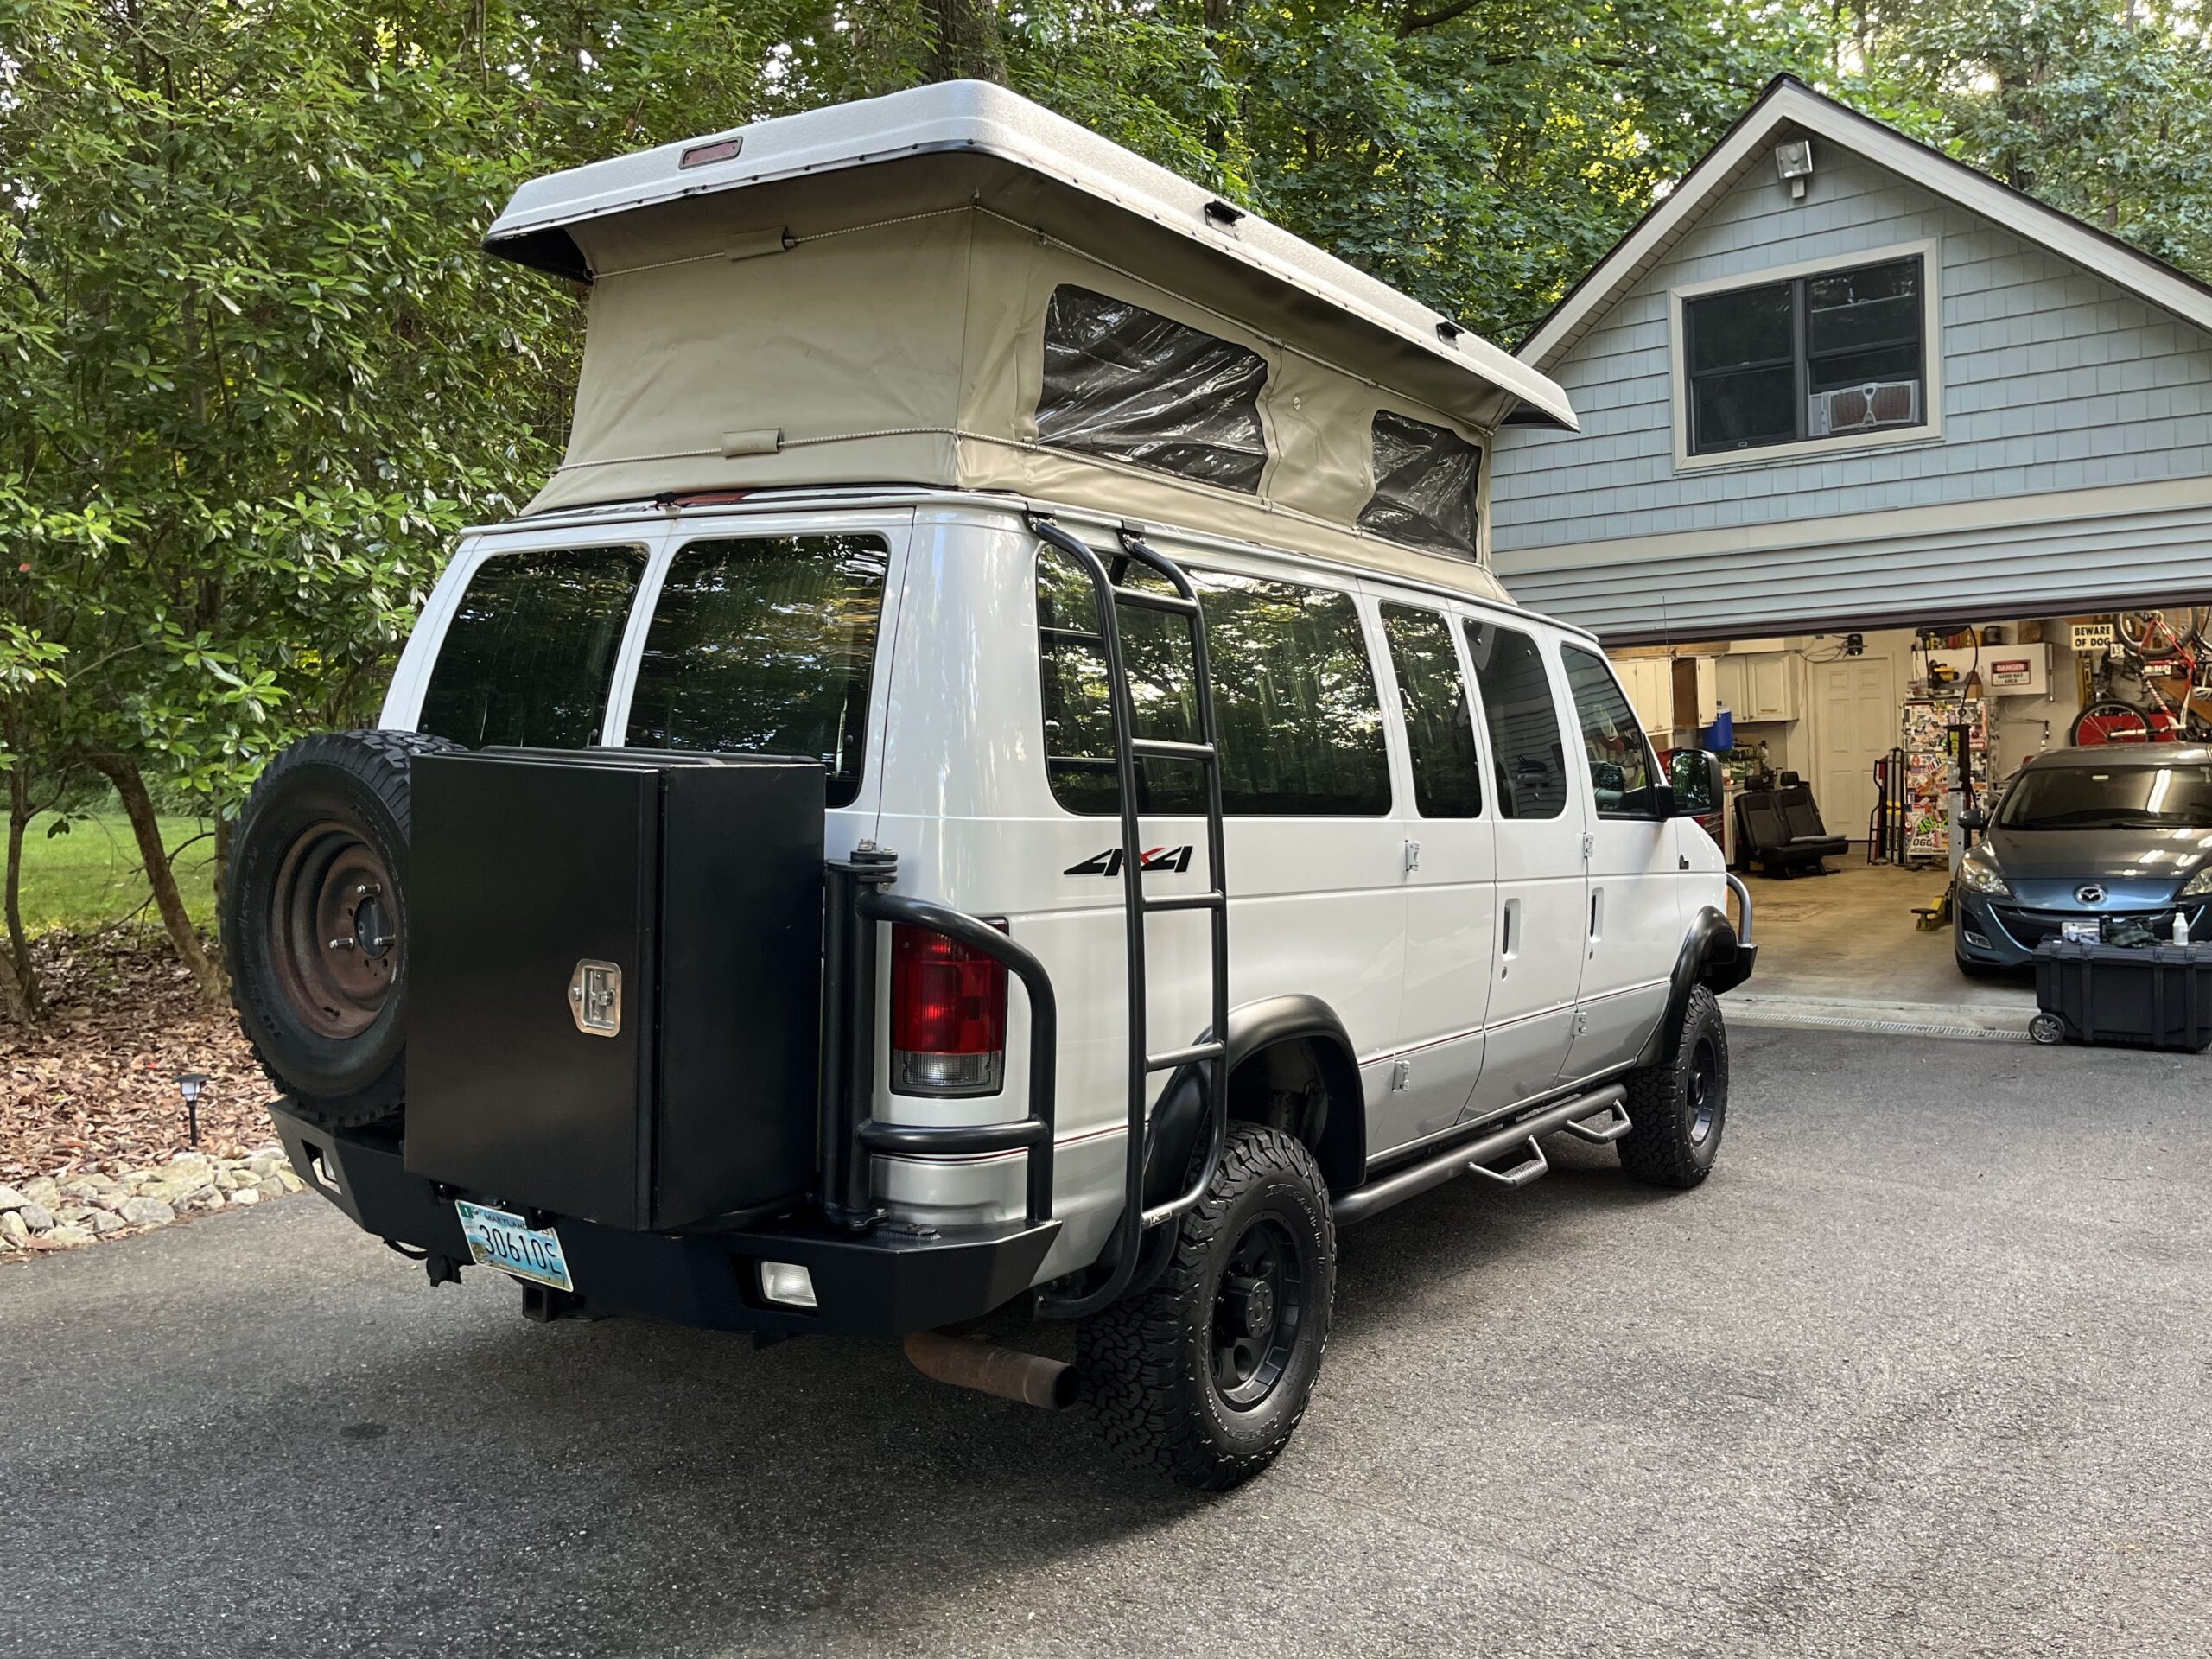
(948, 1016)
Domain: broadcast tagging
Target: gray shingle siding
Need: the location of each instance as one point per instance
(2053, 379)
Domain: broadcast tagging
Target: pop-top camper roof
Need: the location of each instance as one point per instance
(953, 286)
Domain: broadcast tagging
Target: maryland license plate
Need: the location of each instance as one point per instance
(501, 1239)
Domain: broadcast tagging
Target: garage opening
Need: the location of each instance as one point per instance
(1861, 765)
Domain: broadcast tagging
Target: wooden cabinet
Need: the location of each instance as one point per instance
(1650, 683)
(1670, 695)
(1763, 684)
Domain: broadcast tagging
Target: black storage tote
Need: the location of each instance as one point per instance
(2150, 996)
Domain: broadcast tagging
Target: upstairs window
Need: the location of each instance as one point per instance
(1833, 355)
(1424, 486)
(1129, 384)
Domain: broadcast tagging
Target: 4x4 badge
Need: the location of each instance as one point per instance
(1173, 860)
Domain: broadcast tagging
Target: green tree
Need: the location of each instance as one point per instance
(2102, 108)
(258, 373)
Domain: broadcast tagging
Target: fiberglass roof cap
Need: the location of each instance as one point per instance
(976, 118)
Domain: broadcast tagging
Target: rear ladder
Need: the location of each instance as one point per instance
(1211, 1052)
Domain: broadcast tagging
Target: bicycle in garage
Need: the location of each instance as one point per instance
(2166, 657)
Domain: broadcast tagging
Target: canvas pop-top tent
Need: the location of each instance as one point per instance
(953, 287)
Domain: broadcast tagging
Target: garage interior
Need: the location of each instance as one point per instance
(1851, 945)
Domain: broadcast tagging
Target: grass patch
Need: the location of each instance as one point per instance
(91, 876)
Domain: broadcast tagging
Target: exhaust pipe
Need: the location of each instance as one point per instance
(1027, 1379)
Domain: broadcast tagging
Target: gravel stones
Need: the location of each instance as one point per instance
(145, 1212)
(45, 1214)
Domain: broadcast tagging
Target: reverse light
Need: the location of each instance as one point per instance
(948, 1016)
(787, 1282)
(2199, 886)
(1977, 875)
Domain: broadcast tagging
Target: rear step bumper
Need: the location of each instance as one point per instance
(882, 1283)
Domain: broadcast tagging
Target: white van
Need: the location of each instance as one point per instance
(1042, 808)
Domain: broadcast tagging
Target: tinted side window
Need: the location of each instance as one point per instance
(1078, 717)
(1440, 723)
(1527, 746)
(1125, 381)
(528, 656)
(1620, 760)
(765, 645)
(1294, 699)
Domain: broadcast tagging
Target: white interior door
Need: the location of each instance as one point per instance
(1854, 725)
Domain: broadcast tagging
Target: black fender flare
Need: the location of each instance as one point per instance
(1710, 956)
(1338, 1139)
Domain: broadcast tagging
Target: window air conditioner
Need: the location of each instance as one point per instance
(1866, 409)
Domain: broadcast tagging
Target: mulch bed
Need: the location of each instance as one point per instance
(93, 1090)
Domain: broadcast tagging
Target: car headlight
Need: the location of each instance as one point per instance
(2199, 886)
(1978, 874)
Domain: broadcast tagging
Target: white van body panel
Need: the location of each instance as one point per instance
(1460, 972)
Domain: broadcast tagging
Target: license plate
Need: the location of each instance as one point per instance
(2081, 932)
(501, 1239)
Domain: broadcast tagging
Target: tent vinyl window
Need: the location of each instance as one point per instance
(1132, 385)
(1832, 355)
(1424, 486)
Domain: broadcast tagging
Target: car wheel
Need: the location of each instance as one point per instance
(1678, 1107)
(315, 922)
(1204, 1375)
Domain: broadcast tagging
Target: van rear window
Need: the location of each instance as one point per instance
(765, 645)
(527, 657)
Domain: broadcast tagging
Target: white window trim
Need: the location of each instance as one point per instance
(1932, 317)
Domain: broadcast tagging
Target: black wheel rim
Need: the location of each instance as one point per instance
(1257, 1313)
(1704, 1090)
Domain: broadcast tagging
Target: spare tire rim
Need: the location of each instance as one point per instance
(334, 931)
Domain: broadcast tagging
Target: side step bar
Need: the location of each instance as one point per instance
(1472, 1156)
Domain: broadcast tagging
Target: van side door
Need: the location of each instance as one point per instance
(1450, 859)
(1632, 928)
(1536, 972)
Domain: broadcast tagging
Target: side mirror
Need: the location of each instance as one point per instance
(1973, 819)
(1696, 782)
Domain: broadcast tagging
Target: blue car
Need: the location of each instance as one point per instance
(2109, 843)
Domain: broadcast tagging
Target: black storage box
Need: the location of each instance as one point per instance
(2152, 996)
(616, 967)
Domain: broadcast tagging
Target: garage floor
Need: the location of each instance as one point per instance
(1850, 937)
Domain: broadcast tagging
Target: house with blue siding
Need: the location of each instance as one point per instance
(1839, 394)
(1837, 380)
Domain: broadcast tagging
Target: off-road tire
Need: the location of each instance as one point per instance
(318, 792)
(1676, 1124)
(1148, 1363)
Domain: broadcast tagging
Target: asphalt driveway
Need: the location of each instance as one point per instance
(1925, 1369)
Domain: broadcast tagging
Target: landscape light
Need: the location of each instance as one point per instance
(189, 1084)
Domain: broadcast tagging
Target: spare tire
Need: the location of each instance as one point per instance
(315, 922)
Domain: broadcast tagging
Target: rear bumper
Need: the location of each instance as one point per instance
(881, 1283)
